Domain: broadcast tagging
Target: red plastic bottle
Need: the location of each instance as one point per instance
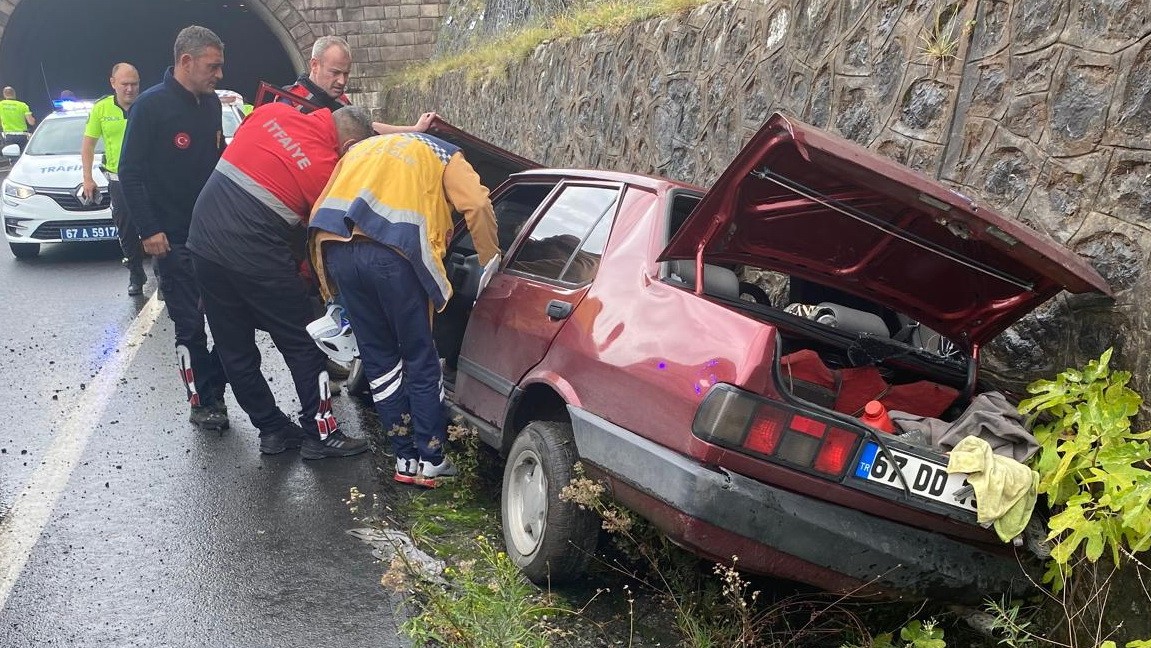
(875, 415)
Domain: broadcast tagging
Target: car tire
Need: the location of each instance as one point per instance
(25, 250)
(551, 540)
(357, 380)
(753, 293)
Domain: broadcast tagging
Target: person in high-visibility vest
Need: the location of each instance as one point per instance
(15, 119)
(108, 121)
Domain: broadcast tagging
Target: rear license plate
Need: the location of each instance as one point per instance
(925, 478)
(97, 233)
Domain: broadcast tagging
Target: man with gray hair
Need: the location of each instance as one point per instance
(171, 145)
(247, 241)
(327, 78)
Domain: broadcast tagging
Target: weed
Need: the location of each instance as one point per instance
(940, 43)
(493, 58)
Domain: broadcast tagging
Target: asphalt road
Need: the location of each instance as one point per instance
(123, 525)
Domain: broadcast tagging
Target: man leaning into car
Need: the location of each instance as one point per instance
(247, 241)
(378, 237)
(173, 141)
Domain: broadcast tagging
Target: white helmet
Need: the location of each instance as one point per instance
(334, 335)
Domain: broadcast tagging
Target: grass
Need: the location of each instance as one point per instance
(495, 56)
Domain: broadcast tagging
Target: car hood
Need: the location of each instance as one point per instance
(492, 163)
(53, 171)
(807, 203)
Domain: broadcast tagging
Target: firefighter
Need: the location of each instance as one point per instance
(327, 78)
(247, 243)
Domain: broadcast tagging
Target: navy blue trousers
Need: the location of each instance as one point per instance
(236, 305)
(182, 297)
(392, 317)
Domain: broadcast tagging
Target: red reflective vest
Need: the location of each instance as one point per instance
(283, 158)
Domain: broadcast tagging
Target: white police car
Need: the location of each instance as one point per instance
(41, 196)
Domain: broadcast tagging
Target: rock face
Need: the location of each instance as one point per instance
(1040, 108)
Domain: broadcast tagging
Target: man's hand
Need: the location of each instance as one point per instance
(157, 245)
(89, 189)
(424, 121)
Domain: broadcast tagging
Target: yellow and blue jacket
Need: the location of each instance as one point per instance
(399, 190)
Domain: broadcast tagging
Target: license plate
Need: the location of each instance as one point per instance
(925, 478)
(97, 233)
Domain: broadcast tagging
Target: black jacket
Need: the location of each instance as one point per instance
(171, 146)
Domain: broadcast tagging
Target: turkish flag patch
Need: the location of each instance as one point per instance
(182, 140)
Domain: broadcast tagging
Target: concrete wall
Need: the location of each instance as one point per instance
(1043, 111)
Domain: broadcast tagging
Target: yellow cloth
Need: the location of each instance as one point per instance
(1005, 490)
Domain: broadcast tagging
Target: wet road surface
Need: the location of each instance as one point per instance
(123, 525)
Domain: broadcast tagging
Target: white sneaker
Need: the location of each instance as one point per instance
(431, 475)
(406, 470)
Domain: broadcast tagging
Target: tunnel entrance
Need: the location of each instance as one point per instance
(54, 45)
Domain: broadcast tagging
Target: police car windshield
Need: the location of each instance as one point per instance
(60, 136)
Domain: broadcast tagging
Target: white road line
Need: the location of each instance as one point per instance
(25, 521)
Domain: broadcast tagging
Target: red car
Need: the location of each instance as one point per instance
(617, 332)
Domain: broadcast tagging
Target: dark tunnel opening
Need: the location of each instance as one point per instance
(54, 45)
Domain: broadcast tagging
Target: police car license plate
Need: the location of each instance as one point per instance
(98, 233)
(925, 478)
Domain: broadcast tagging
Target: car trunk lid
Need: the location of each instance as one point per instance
(807, 203)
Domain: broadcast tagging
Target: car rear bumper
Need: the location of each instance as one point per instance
(798, 537)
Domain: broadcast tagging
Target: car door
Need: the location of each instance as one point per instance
(528, 301)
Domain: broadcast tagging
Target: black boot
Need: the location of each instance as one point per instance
(136, 281)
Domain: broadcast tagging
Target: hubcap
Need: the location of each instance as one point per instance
(527, 503)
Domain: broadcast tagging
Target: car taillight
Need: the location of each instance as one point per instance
(836, 451)
(765, 431)
(743, 421)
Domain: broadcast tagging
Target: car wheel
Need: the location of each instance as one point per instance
(357, 381)
(549, 539)
(25, 250)
(753, 293)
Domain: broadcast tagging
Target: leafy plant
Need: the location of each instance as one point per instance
(1092, 467)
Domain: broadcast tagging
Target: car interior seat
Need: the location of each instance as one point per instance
(717, 280)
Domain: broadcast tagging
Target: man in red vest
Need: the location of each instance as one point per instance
(247, 240)
(328, 72)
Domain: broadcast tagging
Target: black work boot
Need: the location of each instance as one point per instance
(210, 417)
(336, 445)
(286, 438)
(136, 281)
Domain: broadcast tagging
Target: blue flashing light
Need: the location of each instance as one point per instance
(69, 105)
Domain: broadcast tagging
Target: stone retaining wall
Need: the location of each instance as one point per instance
(1043, 111)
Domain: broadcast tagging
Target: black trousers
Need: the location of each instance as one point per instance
(237, 304)
(182, 297)
(129, 238)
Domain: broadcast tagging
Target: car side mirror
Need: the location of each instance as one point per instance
(12, 150)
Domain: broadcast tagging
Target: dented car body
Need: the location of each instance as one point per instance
(622, 331)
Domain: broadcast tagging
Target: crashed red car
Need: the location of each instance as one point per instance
(617, 332)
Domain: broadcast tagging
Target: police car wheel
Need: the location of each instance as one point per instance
(25, 250)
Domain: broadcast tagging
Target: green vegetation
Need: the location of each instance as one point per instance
(1092, 467)
(493, 57)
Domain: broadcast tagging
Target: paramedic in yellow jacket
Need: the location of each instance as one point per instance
(378, 236)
